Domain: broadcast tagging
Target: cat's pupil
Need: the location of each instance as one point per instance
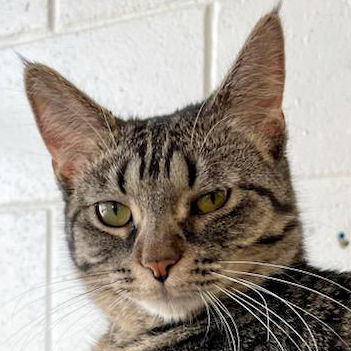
(213, 197)
(115, 207)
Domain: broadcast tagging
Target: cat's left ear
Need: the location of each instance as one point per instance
(74, 128)
(251, 95)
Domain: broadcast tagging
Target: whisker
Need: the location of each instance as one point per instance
(211, 130)
(60, 319)
(293, 270)
(120, 299)
(18, 308)
(109, 127)
(291, 283)
(288, 304)
(111, 331)
(208, 316)
(275, 323)
(239, 281)
(225, 324)
(291, 304)
(224, 308)
(100, 298)
(301, 309)
(42, 319)
(266, 308)
(308, 313)
(214, 314)
(195, 122)
(52, 283)
(29, 336)
(260, 320)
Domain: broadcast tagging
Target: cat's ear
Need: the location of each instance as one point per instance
(73, 127)
(251, 95)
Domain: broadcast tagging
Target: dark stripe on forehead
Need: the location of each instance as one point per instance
(154, 167)
(142, 152)
(138, 142)
(157, 141)
(168, 158)
(192, 171)
(262, 191)
(121, 176)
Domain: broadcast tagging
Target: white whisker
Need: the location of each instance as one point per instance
(246, 283)
(211, 130)
(195, 122)
(224, 308)
(228, 293)
(290, 305)
(208, 315)
(230, 336)
(261, 321)
(290, 283)
(291, 269)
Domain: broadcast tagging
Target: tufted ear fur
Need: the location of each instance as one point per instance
(251, 95)
(73, 127)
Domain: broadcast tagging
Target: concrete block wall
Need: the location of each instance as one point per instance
(144, 57)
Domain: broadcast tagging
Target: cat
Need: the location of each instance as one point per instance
(184, 228)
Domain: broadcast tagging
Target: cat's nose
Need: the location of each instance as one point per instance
(160, 269)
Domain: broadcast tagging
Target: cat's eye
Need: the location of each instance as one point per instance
(211, 201)
(113, 214)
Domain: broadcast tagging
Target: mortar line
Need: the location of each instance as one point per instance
(33, 36)
(49, 225)
(35, 205)
(52, 12)
(211, 46)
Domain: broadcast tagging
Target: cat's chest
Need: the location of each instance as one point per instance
(250, 332)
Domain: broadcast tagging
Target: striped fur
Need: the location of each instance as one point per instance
(235, 141)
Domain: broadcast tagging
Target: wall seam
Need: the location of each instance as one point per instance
(210, 47)
(55, 31)
(32, 205)
(48, 307)
(52, 12)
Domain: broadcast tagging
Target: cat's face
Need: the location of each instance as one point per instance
(155, 207)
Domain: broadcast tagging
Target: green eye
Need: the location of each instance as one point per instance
(113, 214)
(211, 201)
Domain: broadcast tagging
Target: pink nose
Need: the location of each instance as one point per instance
(160, 269)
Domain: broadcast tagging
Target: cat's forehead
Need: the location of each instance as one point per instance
(167, 157)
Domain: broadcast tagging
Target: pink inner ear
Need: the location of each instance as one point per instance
(64, 171)
(63, 163)
(273, 127)
(273, 102)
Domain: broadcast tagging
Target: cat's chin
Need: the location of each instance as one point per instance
(172, 309)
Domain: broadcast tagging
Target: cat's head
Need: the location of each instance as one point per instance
(155, 208)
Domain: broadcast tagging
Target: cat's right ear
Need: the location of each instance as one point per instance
(74, 128)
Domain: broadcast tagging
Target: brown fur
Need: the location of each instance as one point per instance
(158, 167)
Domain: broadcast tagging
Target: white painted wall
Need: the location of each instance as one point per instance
(144, 57)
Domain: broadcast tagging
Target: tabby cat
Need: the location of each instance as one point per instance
(184, 228)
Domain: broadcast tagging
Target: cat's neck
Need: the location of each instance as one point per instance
(131, 320)
(131, 324)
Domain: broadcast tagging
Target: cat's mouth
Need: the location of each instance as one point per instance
(170, 304)
(170, 307)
